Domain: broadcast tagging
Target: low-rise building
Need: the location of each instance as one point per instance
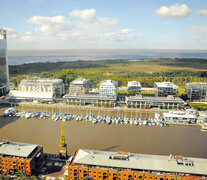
(108, 87)
(179, 117)
(20, 157)
(166, 88)
(94, 164)
(196, 91)
(79, 86)
(55, 86)
(96, 99)
(147, 101)
(133, 87)
(15, 95)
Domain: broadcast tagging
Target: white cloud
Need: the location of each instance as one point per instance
(87, 30)
(51, 25)
(174, 11)
(87, 19)
(201, 12)
(88, 15)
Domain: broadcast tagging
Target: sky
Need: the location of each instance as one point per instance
(104, 24)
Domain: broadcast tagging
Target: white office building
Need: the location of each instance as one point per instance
(108, 87)
(54, 86)
(166, 88)
(134, 87)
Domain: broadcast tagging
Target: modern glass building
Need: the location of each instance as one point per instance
(4, 73)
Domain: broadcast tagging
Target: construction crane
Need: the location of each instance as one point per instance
(62, 145)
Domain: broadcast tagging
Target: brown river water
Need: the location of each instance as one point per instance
(177, 139)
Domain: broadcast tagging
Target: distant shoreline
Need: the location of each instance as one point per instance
(18, 57)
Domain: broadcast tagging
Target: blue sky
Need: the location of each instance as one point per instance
(105, 24)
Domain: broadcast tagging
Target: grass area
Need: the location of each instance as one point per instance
(147, 92)
(121, 91)
(199, 106)
(149, 68)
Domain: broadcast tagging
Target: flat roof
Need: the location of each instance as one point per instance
(152, 98)
(31, 95)
(16, 149)
(89, 96)
(108, 82)
(178, 114)
(139, 161)
(165, 84)
(133, 83)
(79, 81)
(196, 85)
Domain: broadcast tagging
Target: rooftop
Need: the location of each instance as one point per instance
(41, 80)
(16, 149)
(133, 83)
(165, 84)
(178, 114)
(108, 82)
(149, 98)
(197, 85)
(79, 81)
(31, 95)
(141, 161)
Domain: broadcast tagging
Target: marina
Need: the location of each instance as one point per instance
(177, 139)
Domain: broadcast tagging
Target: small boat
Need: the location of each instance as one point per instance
(145, 122)
(9, 112)
(140, 121)
(136, 122)
(28, 115)
(204, 128)
(131, 121)
(94, 121)
(56, 118)
(117, 121)
(161, 124)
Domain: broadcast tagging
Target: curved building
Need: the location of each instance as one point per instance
(4, 74)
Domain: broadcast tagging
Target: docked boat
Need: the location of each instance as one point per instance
(94, 121)
(28, 115)
(136, 122)
(9, 112)
(204, 128)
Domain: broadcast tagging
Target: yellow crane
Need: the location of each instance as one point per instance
(62, 145)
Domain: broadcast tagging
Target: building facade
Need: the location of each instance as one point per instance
(133, 87)
(108, 87)
(20, 157)
(79, 86)
(54, 86)
(166, 88)
(100, 165)
(4, 73)
(140, 101)
(179, 117)
(95, 99)
(196, 91)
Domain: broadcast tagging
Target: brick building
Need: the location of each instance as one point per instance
(79, 86)
(19, 157)
(99, 165)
